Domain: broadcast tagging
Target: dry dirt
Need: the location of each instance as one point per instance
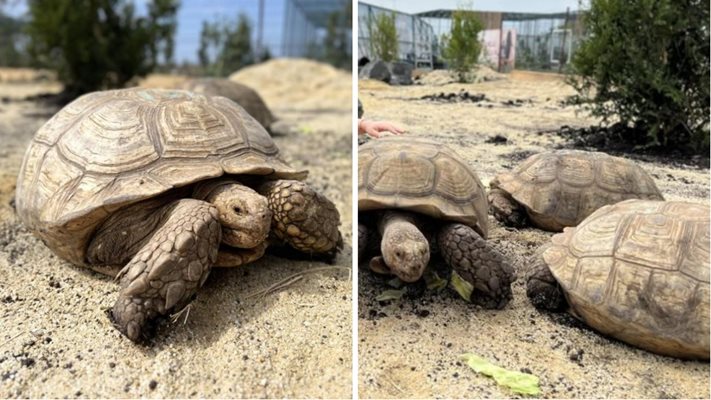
(56, 340)
(409, 348)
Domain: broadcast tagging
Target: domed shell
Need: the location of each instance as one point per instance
(106, 150)
(422, 176)
(237, 92)
(561, 188)
(639, 271)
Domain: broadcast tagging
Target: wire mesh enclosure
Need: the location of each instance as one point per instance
(529, 41)
(306, 25)
(416, 38)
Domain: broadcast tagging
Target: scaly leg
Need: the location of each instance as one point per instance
(302, 217)
(542, 289)
(169, 269)
(480, 274)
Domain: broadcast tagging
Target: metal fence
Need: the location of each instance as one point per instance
(528, 41)
(306, 22)
(416, 37)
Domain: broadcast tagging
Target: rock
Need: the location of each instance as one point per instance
(377, 70)
(400, 73)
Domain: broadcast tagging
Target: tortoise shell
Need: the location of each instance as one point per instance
(422, 176)
(561, 188)
(237, 92)
(639, 271)
(110, 149)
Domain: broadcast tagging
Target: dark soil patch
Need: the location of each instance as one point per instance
(623, 140)
(498, 139)
(516, 157)
(516, 102)
(461, 97)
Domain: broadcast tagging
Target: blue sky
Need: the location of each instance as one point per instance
(414, 6)
(193, 12)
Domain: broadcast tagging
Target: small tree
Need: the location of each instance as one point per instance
(462, 47)
(237, 48)
(336, 44)
(383, 36)
(163, 19)
(11, 34)
(646, 64)
(93, 45)
(224, 49)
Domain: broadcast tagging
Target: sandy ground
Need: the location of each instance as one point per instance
(409, 348)
(56, 340)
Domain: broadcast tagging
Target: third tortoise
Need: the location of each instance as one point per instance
(561, 188)
(636, 270)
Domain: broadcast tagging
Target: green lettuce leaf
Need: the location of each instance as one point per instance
(518, 382)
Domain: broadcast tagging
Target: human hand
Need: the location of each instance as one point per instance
(377, 128)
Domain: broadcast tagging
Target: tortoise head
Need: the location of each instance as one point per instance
(405, 250)
(244, 214)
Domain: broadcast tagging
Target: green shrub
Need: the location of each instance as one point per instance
(383, 36)
(645, 63)
(96, 44)
(230, 41)
(336, 44)
(462, 47)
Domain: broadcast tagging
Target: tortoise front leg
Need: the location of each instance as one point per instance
(542, 288)
(362, 241)
(168, 270)
(480, 274)
(507, 210)
(302, 217)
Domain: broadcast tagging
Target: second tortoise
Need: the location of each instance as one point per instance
(241, 94)
(556, 189)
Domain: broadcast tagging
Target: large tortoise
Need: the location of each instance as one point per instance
(419, 197)
(155, 187)
(561, 188)
(241, 94)
(638, 271)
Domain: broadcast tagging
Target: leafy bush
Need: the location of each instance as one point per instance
(95, 45)
(11, 34)
(231, 44)
(336, 44)
(462, 47)
(383, 36)
(645, 63)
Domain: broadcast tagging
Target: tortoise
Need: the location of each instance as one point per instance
(637, 271)
(155, 187)
(241, 94)
(561, 188)
(417, 197)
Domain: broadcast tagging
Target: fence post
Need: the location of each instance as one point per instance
(563, 53)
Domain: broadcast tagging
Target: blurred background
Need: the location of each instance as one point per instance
(106, 43)
(539, 36)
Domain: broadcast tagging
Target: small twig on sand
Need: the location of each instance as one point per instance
(185, 310)
(12, 338)
(390, 381)
(291, 279)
